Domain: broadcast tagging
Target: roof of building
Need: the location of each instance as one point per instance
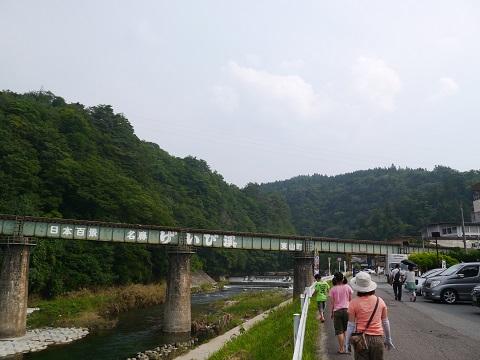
(476, 187)
(402, 239)
(447, 223)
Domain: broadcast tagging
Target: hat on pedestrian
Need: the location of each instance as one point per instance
(363, 282)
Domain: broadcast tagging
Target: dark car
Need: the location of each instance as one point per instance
(476, 296)
(454, 284)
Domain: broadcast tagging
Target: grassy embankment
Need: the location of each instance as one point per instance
(98, 309)
(272, 338)
(93, 309)
(269, 339)
(225, 314)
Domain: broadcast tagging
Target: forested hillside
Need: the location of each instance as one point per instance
(74, 162)
(68, 161)
(86, 163)
(376, 204)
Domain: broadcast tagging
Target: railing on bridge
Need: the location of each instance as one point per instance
(149, 234)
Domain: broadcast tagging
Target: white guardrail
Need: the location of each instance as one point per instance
(300, 321)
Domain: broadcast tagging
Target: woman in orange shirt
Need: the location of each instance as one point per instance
(359, 312)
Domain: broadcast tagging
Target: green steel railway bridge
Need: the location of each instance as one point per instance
(18, 234)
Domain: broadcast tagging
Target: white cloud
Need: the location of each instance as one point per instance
(448, 41)
(147, 33)
(225, 97)
(253, 59)
(376, 82)
(444, 87)
(275, 94)
(294, 65)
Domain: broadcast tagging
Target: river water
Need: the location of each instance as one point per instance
(137, 330)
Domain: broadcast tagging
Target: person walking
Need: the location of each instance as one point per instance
(340, 296)
(360, 312)
(410, 281)
(321, 290)
(397, 280)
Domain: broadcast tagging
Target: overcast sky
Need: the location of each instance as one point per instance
(264, 90)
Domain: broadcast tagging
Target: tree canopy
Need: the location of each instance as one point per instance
(69, 161)
(376, 204)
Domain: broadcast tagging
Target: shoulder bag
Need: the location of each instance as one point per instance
(357, 339)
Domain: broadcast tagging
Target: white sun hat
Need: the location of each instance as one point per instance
(363, 282)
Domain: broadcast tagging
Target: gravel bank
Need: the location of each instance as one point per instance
(39, 339)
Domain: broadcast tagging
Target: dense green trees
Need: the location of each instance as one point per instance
(376, 204)
(427, 261)
(70, 161)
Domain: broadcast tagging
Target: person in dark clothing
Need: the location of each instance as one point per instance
(397, 281)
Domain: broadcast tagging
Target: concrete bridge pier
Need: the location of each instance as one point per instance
(14, 290)
(177, 314)
(302, 272)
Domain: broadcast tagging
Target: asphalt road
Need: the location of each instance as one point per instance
(421, 329)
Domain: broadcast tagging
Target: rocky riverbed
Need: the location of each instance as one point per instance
(165, 352)
(39, 339)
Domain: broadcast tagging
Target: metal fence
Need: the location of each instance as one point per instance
(299, 321)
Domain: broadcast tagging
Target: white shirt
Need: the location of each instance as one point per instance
(394, 271)
(410, 276)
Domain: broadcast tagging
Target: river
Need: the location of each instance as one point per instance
(137, 330)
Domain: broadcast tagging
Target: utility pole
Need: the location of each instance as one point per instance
(463, 229)
(436, 235)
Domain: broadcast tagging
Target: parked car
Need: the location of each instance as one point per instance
(476, 296)
(420, 280)
(454, 284)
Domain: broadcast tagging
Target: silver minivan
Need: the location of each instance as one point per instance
(454, 284)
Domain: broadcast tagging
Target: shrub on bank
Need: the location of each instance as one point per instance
(136, 296)
(225, 314)
(93, 309)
